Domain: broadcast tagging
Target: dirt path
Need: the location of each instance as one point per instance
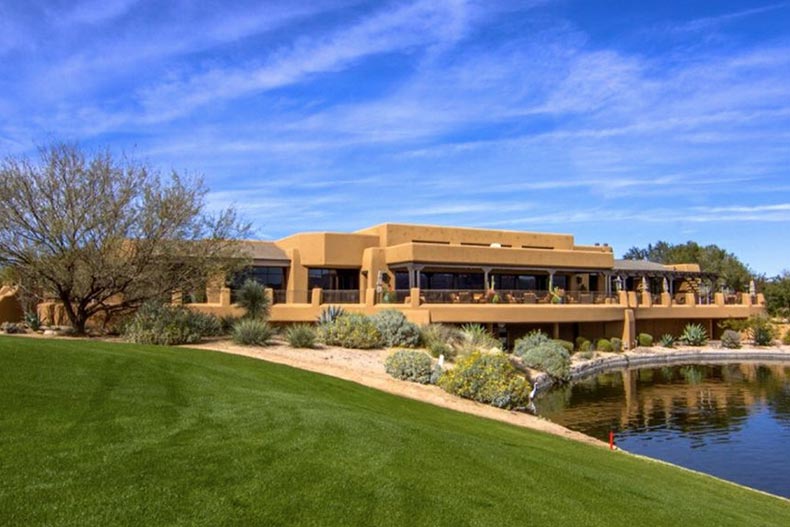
(366, 367)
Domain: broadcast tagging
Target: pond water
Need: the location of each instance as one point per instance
(732, 421)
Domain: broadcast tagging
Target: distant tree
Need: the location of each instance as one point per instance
(711, 259)
(102, 234)
(777, 295)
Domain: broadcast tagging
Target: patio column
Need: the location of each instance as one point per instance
(551, 278)
(410, 269)
(417, 269)
(486, 271)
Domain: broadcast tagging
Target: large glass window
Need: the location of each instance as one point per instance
(333, 279)
(273, 277)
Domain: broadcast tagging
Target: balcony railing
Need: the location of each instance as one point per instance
(340, 296)
(397, 296)
(451, 296)
(280, 296)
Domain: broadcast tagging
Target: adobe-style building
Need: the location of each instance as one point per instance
(508, 280)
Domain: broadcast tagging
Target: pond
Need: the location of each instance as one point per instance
(731, 421)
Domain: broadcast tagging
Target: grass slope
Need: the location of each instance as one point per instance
(95, 433)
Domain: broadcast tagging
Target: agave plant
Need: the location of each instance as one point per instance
(694, 335)
(330, 314)
(666, 341)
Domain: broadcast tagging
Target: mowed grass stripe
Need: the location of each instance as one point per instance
(95, 433)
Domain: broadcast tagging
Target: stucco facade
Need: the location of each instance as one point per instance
(509, 280)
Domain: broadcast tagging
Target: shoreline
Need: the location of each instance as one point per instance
(656, 356)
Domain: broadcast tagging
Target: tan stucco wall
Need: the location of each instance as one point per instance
(10, 309)
(503, 257)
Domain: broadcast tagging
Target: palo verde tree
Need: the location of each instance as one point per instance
(103, 234)
(711, 259)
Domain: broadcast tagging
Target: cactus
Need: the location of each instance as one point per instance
(666, 341)
(330, 314)
(694, 335)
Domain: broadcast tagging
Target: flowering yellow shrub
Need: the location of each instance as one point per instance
(487, 378)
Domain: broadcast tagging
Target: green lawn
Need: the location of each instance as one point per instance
(95, 433)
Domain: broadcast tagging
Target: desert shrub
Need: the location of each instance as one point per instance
(330, 314)
(533, 339)
(603, 345)
(565, 344)
(730, 339)
(395, 329)
(645, 340)
(586, 355)
(666, 341)
(32, 320)
(410, 365)
(440, 339)
(252, 297)
(549, 357)
(226, 324)
(12, 328)
(351, 330)
(617, 344)
(301, 336)
(168, 325)
(476, 337)
(694, 335)
(487, 378)
(252, 332)
(582, 343)
(761, 331)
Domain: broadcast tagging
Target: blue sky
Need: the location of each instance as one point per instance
(621, 122)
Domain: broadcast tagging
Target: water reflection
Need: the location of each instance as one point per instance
(729, 420)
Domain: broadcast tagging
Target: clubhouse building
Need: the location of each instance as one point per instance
(510, 281)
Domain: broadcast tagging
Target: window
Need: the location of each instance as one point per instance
(333, 279)
(273, 277)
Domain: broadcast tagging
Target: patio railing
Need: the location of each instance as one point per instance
(452, 296)
(340, 296)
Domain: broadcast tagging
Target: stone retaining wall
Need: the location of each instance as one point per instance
(648, 359)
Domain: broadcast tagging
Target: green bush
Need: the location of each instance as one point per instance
(476, 337)
(32, 320)
(565, 344)
(645, 340)
(549, 357)
(168, 325)
(251, 296)
(252, 332)
(582, 343)
(226, 324)
(694, 335)
(604, 345)
(487, 378)
(410, 365)
(330, 314)
(617, 344)
(300, 336)
(761, 331)
(440, 339)
(586, 355)
(351, 330)
(666, 341)
(730, 339)
(534, 339)
(786, 338)
(395, 329)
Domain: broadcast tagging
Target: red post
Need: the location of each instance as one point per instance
(611, 439)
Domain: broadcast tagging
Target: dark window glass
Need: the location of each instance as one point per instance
(401, 280)
(333, 279)
(273, 277)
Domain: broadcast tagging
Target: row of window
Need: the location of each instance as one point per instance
(348, 279)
